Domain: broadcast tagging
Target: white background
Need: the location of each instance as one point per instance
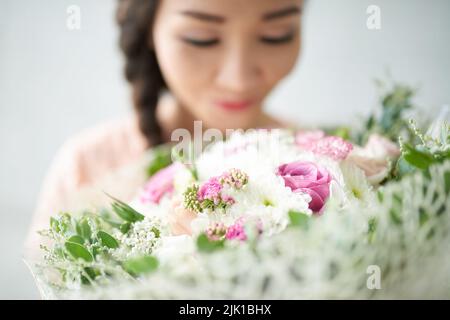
(54, 82)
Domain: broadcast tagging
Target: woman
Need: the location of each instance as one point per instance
(209, 60)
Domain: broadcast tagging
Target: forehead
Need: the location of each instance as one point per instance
(231, 9)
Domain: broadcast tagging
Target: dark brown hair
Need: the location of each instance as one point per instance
(135, 19)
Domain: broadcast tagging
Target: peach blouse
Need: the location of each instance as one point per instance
(82, 161)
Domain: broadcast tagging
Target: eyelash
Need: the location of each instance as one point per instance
(266, 40)
(280, 40)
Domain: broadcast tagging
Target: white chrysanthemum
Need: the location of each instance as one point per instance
(252, 153)
(355, 185)
(267, 198)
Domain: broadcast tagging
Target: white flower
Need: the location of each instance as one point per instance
(183, 179)
(142, 238)
(356, 185)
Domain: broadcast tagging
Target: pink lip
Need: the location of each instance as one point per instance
(235, 105)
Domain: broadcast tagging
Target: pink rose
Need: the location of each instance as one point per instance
(307, 177)
(318, 143)
(374, 158)
(160, 184)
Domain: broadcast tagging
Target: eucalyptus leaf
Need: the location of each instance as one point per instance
(83, 229)
(141, 265)
(125, 227)
(76, 239)
(78, 251)
(108, 240)
(417, 158)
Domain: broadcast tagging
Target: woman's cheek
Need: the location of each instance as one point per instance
(280, 62)
(190, 66)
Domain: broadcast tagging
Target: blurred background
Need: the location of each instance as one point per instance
(55, 82)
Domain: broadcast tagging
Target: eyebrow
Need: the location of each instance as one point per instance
(289, 11)
(286, 12)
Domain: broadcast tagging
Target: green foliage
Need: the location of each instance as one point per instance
(162, 159)
(416, 158)
(141, 265)
(423, 155)
(204, 244)
(107, 240)
(299, 219)
(83, 229)
(83, 246)
(125, 212)
(391, 122)
(78, 251)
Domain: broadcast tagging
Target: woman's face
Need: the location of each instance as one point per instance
(221, 58)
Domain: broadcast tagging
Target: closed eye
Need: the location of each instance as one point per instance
(278, 40)
(201, 43)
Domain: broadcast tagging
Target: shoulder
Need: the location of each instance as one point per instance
(94, 151)
(83, 160)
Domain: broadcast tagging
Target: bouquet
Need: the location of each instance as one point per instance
(334, 213)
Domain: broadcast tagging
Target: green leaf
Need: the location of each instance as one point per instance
(62, 224)
(76, 239)
(83, 229)
(206, 245)
(395, 217)
(106, 216)
(156, 232)
(78, 251)
(108, 240)
(416, 158)
(372, 227)
(141, 265)
(380, 195)
(54, 224)
(161, 160)
(423, 216)
(343, 132)
(91, 272)
(125, 227)
(125, 212)
(447, 182)
(298, 219)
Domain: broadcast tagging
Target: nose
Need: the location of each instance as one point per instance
(239, 71)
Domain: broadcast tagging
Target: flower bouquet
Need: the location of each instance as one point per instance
(271, 214)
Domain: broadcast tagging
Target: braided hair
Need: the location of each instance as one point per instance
(135, 19)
